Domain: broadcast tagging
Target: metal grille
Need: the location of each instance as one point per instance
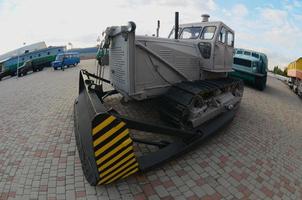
(242, 62)
(118, 62)
(166, 55)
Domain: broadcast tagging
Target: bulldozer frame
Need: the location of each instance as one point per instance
(104, 141)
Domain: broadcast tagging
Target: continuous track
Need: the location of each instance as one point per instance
(180, 98)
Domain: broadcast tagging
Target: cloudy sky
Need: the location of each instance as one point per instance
(272, 26)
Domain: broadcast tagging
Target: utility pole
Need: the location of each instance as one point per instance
(157, 29)
(18, 63)
(19, 60)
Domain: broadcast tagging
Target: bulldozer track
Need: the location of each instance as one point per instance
(180, 97)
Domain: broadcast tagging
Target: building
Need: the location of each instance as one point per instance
(22, 50)
(86, 53)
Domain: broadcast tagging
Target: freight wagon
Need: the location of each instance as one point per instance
(294, 71)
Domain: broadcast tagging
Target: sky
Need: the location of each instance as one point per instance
(270, 26)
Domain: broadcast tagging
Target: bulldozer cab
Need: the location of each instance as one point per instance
(144, 67)
(215, 40)
(224, 48)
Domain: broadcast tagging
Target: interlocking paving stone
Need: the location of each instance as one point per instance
(257, 156)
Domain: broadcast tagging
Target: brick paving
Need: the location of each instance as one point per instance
(258, 156)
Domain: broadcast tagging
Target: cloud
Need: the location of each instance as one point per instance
(239, 11)
(297, 17)
(66, 21)
(281, 30)
(210, 5)
(292, 4)
(297, 4)
(274, 31)
(265, 27)
(274, 16)
(204, 4)
(279, 59)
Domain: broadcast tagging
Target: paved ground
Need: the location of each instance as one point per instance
(258, 156)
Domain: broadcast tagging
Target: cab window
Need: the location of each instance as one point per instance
(208, 33)
(222, 35)
(255, 55)
(59, 57)
(171, 35)
(230, 39)
(190, 33)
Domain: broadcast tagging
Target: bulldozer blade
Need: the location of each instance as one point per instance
(103, 141)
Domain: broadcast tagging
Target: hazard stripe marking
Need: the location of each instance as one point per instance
(113, 149)
(114, 135)
(131, 172)
(118, 148)
(129, 158)
(124, 133)
(104, 153)
(127, 152)
(102, 125)
(123, 173)
(124, 158)
(108, 134)
(113, 124)
(99, 119)
(129, 164)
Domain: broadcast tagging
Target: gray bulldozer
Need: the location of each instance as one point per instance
(187, 75)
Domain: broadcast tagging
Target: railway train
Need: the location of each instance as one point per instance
(39, 59)
(294, 71)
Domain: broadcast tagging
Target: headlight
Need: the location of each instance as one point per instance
(254, 66)
(205, 49)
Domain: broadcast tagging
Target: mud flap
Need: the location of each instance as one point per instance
(103, 141)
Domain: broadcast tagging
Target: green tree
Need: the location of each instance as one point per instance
(279, 71)
(285, 71)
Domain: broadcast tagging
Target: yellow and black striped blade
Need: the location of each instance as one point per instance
(113, 149)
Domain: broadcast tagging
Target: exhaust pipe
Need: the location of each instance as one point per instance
(176, 27)
(205, 17)
(157, 30)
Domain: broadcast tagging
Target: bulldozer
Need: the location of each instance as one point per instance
(251, 67)
(185, 76)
